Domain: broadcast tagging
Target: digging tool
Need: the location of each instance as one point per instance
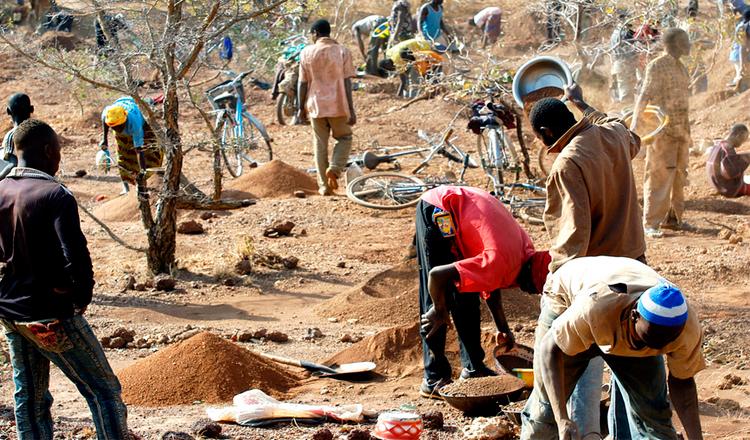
(334, 371)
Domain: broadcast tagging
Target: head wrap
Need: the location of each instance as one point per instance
(664, 305)
(115, 115)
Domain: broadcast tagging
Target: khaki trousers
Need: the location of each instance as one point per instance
(665, 178)
(323, 128)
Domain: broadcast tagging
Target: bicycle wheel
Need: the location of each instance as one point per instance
(230, 147)
(284, 109)
(494, 151)
(386, 190)
(526, 201)
(256, 146)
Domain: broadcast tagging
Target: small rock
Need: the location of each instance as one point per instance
(290, 262)
(117, 343)
(260, 334)
(726, 404)
(173, 435)
(517, 328)
(324, 433)
(190, 227)
(128, 283)
(142, 343)
(164, 283)
(341, 264)
(162, 339)
(730, 380)
(324, 390)
(279, 229)
(433, 420)
(206, 428)
(243, 267)
(313, 333)
(187, 335)
(105, 341)
(724, 234)
(122, 332)
(300, 195)
(81, 173)
(276, 336)
(243, 337)
(333, 319)
(208, 215)
(352, 321)
(230, 282)
(735, 239)
(347, 338)
(358, 434)
(141, 287)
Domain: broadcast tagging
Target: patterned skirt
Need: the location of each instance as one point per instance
(127, 157)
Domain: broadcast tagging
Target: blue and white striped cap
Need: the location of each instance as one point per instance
(664, 305)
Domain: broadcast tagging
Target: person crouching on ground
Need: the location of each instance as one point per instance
(622, 310)
(467, 242)
(46, 287)
(325, 94)
(411, 59)
(726, 168)
(488, 22)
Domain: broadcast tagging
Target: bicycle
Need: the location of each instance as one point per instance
(243, 137)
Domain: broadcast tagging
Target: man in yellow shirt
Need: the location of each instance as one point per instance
(409, 58)
(625, 312)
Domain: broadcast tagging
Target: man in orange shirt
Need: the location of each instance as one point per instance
(325, 91)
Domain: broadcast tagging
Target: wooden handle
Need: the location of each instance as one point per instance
(282, 360)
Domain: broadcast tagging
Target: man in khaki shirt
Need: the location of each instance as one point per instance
(325, 89)
(592, 204)
(623, 311)
(666, 84)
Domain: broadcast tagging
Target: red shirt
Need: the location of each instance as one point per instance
(490, 244)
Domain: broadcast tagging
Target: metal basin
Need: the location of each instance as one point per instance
(538, 73)
(484, 405)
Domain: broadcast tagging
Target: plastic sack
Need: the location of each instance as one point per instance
(254, 407)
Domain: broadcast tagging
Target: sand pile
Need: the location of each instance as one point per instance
(484, 386)
(204, 367)
(273, 179)
(392, 297)
(123, 208)
(397, 351)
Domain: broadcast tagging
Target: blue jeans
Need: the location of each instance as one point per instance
(73, 348)
(538, 420)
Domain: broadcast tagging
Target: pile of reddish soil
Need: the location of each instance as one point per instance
(392, 297)
(119, 209)
(397, 351)
(273, 179)
(203, 368)
(484, 386)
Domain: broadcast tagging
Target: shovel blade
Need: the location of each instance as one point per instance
(353, 368)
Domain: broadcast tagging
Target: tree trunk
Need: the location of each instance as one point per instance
(217, 166)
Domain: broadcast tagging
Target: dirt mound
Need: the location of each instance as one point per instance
(392, 297)
(273, 179)
(203, 368)
(123, 208)
(397, 351)
(58, 40)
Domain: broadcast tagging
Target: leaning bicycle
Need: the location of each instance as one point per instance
(244, 139)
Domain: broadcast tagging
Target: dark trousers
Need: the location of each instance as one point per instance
(435, 250)
(373, 51)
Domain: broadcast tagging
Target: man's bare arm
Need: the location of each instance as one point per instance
(684, 396)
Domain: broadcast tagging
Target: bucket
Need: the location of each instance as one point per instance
(398, 426)
(543, 72)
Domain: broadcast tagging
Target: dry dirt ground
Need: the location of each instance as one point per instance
(344, 246)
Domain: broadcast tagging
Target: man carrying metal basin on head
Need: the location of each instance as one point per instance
(592, 209)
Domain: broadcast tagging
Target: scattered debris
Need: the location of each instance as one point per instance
(725, 404)
(140, 287)
(190, 227)
(206, 428)
(281, 228)
(274, 261)
(120, 338)
(482, 428)
(208, 215)
(433, 420)
(230, 282)
(358, 434)
(277, 336)
(164, 282)
(81, 173)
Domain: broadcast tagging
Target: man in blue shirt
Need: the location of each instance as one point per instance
(431, 24)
